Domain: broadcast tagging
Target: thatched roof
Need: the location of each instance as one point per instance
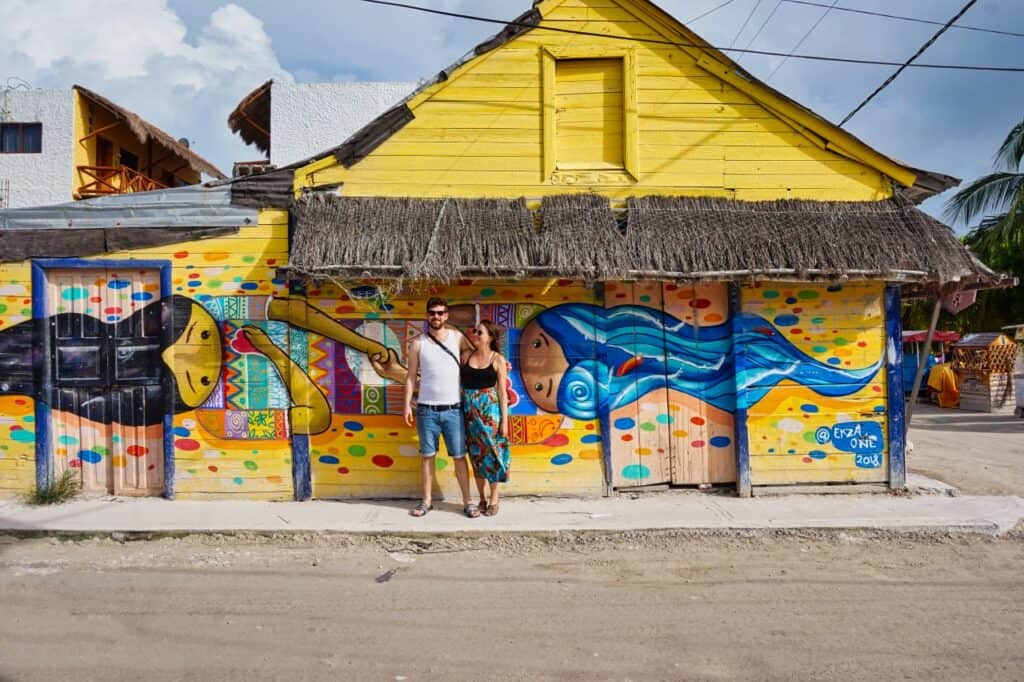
(251, 118)
(144, 130)
(580, 236)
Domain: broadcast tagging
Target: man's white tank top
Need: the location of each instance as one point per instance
(439, 372)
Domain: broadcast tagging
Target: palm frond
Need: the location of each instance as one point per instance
(1012, 150)
(989, 194)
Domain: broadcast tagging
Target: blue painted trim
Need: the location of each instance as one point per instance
(302, 478)
(742, 437)
(897, 422)
(41, 372)
(44, 460)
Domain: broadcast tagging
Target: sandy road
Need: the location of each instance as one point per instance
(982, 453)
(665, 606)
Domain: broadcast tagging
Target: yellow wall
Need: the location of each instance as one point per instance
(90, 116)
(17, 413)
(482, 132)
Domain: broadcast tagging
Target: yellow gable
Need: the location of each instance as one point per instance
(549, 112)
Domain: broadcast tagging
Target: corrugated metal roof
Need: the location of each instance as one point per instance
(192, 206)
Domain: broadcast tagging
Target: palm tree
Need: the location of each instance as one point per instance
(994, 203)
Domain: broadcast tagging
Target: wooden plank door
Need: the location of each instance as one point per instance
(107, 399)
(135, 383)
(701, 435)
(638, 429)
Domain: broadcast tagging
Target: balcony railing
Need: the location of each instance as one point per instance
(102, 180)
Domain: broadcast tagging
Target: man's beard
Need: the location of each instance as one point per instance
(436, 324)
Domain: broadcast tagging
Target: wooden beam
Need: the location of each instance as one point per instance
(896, 422)
(924, 352)
(100, 130)
(740, 436)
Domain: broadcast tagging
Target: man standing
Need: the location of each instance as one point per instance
(434, 356)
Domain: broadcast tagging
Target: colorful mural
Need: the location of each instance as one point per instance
(651, 372)
(654, 370)
(827, 427)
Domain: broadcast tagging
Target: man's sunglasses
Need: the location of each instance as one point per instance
(437, 313)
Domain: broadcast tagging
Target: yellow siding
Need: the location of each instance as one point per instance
(481, 133)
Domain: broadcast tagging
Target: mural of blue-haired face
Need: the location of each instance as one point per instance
(582, 360)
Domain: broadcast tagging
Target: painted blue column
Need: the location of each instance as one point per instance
(41, 375)
(741, 437)
(897, 422)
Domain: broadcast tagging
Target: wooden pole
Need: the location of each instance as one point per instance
(921, 357)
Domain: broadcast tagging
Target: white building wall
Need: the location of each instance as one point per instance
(45, 178)
(308, 118)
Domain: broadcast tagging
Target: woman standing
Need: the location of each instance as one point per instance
(485, 403)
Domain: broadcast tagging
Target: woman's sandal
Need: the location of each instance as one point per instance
(420, 509)
(483, 507)
(471, 510)
(492, 510)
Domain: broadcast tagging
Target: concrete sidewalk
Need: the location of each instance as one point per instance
(650, 511)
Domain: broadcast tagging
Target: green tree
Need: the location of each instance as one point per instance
(994, 203)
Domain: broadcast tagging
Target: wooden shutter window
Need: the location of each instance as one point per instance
(589, 114)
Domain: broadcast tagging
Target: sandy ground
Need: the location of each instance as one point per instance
(980, 453)
(666, 606)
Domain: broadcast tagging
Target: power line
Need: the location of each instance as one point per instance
(670, 43)
(907, 63)
(745, 22)
(713, 9)
(797, 46)
(761, 27)
(901, 18)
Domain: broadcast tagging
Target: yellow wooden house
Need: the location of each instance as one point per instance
(697, 282)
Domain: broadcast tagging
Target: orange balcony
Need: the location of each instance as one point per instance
(103, 180)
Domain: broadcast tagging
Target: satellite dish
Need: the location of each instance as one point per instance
(183, 141)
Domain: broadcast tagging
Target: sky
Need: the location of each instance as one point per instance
(184, 64)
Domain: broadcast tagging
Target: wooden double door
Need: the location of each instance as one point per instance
(106, 378)
(664, 430)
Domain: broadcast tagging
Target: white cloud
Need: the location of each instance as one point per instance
(142, 56)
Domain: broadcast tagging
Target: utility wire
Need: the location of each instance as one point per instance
(797, 46)
(900, 18)
(907, 63)
(761, 28)
(713, 9)
(745, 22)
(671, 43)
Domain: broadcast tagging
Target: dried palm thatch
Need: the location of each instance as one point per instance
(251, 118)
(411, 238)
(662, 238)
(144, 131)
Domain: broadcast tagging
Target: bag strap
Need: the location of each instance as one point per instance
(446, 349)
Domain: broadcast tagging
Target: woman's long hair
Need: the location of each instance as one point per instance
(618, 355)
(492, 331)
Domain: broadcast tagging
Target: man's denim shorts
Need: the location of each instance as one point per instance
(433, 423)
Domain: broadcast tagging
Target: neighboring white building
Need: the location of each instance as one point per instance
(36, 138)
(60, 145)
(304, 119)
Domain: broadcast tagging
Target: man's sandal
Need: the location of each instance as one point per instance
(471, 510)
(421, 509)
